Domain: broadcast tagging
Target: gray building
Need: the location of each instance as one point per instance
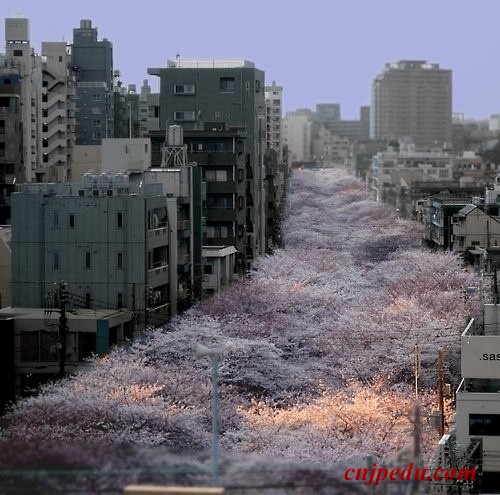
(411, 99)
(117, 242)
(225, 95)
(92, 65)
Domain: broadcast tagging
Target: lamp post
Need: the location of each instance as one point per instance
(215, 357)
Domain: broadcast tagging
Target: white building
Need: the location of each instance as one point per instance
(297, 137)
(274, 106)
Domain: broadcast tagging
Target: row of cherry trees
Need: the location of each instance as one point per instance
(318, 356)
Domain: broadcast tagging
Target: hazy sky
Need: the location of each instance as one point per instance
(318, 50)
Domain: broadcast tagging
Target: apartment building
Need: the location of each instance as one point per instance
(297, 137)
(412, 99)
(221, 96)
(274, 112)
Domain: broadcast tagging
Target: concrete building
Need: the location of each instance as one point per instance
(477, 399)
(412, 99)
(274, 113)
(5, 266)
(149, 110)
(297, 136)
(473, 228)
(20, 111)
(218, 268)
(327, 112)
(32, 344)
(329, 147)
(92, 66)
(225, 95)
(117, 241)
(58, 115)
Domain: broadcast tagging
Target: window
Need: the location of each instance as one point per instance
(484, 424)
(187, 116)
(72, 221)
(119, 300)
(45, 143)
(227, 84)
(88, 300)
(217, 231)
(207, 269)
(45, 112)
(88, 260)
(45, 158)
(45, 97)
(45, 127)
(220, 201)
(55, 219)
(60, 58)
(96, 135)
(18, 53)
(216, 175)
(119, 260)
(184, 89)
(55, 260)
(96, 97)
(119, 220)
(96, 123)
(96, 111)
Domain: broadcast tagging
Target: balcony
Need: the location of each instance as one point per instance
(158, 274)
(221, 215)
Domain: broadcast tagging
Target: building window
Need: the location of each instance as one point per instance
(96, 97)
(96, 123)
(119, 260)
(88, 260)
(216, 175)
(119, 220)
(45, 158)
(88, 300)
(55, 260)
(55, 219)
(484, 424)
(215, 232)
(96, 136)
(184, 89)
(207, 269)
(45, 112)
(18, 53)
(227, 84)
(45, 97)
(72, 221)
(187, 116)
(45, 143)
(60, 58)
(45, 127)
(96, 111)
(119, 300)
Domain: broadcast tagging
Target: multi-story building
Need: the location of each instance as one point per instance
(327, 112)
(92, 65)
(57, 117)
(412, 99)
(274, 112)
(20, 111)
(117, 241)
(297, 135)
(149, 110)
(223, 95)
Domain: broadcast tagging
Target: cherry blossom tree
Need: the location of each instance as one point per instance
(318, 344)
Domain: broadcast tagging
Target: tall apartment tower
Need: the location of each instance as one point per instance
(20, 108)
(58, 115)
(274, 112)
(411, 99)
(92, 64)
(224, 95)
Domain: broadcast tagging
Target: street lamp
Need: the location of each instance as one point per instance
(215, 357)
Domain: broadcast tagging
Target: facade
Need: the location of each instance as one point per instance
(412, 99)
(58, 115)
(5, 267)
(477, 398)
(117, 241)
(327, 112)
(297, 137)
(20, 111)
(34, 337)
(274, 112)
(473, 228)
(330, 147)
(225, 95)
(92, 66)
(218, 268)
(149, 110)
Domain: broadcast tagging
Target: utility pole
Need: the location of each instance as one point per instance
(416, 367)
(63, 328)
(441, 391)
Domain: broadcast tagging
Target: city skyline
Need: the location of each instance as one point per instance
(322, 52)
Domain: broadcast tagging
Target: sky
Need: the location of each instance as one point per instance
(320, 51)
